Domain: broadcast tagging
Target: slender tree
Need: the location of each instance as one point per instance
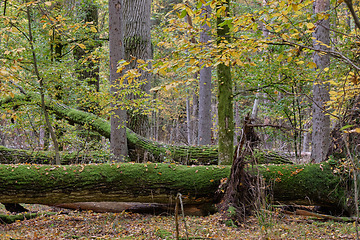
(118, 142)
(41, 87)
(89, 70)
(320, 120)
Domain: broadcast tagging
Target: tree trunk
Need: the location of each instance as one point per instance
(118, 142)
(136, 207)
(137, 44)
(321, 121)
(191, 155)
(225, 95)
(205, 122)
(313, 184)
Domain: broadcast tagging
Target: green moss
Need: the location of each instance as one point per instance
(316, 181)
(313, 184)
(143, 179)
(19, 217)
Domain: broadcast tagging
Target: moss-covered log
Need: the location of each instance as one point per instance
(159, 183)
(157, 151)
(19, 217)
(13, 156)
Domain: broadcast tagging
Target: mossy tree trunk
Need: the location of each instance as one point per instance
(225, 94)
(313, 184)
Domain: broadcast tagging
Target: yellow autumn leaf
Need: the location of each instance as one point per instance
(141, 61)
(93, 29)
(81, 45)
(311, 65)
(326, 69)
(310, 26)
(356, 130)
(295, 7)
(162, 71)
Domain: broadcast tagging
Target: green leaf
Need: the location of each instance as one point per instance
(346, 127)
(183, 13)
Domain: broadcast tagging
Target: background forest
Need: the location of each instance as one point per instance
(166, 83)
(60, 50)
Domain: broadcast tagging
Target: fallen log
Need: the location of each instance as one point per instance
(313, 184)
(157, 151)
(134, 207)
(15, 156)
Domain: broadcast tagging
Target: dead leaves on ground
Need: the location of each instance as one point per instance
(89, 225)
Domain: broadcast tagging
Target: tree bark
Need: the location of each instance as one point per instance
(313, 184)
(225, 95)
(321, 121)
(118, 143)
(137, 45)
(205, 122)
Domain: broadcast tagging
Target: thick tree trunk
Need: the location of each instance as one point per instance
(137, 45)
(313, 184)
(321, 121)
(118, 142)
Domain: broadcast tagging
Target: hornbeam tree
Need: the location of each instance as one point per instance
(116, 46)
(137, 44)
(320, 120)
(205, 123)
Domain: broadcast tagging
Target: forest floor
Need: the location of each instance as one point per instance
(69, 224)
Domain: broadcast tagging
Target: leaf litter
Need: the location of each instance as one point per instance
(68, 224)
